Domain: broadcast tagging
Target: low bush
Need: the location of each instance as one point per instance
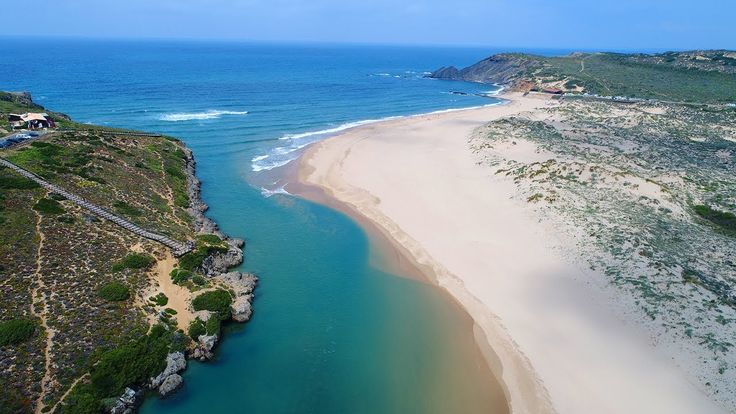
(723, 219)
(160, 299)
(197, 328)
(10, 181)
(134, 261)
(66, 218)
(194, 259)
(213, 326)
(214, 301)
(126, 209)
(114, 292)
(180, 276)
(16, 331)
(48, 206)
(130, 364)
(199, 280)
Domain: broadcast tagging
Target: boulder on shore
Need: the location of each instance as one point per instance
(175, 363)
(243, 285)
(170, 384)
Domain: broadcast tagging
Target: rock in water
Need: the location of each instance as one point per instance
(205, 344)
(170, 384)
(127, 402)
(175, 363)
(243, 285)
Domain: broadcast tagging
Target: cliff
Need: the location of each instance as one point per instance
(703, 76)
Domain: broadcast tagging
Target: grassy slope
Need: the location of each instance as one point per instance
(669, 77)
(141, 178)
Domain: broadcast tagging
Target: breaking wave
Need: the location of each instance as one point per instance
(190, 116)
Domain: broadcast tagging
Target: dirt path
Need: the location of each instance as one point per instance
(41, 311)
(179, 297)
(71, 387)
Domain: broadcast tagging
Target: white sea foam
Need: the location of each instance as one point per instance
(493, 92)
(282, 155)
(268, 193)
(190, 116)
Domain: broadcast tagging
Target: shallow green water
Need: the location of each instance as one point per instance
(330, 334)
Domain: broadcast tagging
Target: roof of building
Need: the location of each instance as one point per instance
(34, 116)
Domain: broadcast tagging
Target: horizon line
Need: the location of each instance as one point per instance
(312, 42)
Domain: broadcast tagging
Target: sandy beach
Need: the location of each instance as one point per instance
(549, 327)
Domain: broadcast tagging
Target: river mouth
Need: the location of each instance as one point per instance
(391, 257)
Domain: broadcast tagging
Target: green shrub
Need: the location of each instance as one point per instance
(126, 209)
(16, 331)
(81, 400)
(180, 276)
(16, 182)
(213, 326)
(197, 328)
(181, 199)
(160, 299)
(11, 400)
(170, 311)
(66, 218)
(723, 219)
(130, 364)
(194, 259)
(134, 261)
(209, 239)
(48, 206)
(199, 280)
(214, 301)
(114, 292)
(57, 197)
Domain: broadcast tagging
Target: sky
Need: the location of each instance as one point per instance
(582, 24)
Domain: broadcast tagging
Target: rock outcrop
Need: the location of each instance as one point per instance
(205, 345)
(175, 363)
(243, 285)
(170, 384)
(219, 263)
(128, 402)
(502, 68)
(197, 207)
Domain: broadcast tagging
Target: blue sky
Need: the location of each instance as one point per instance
(584, 24)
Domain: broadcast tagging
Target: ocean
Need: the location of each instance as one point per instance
(332, 331)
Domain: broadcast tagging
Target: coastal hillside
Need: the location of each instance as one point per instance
(695, 76)
(110, 272)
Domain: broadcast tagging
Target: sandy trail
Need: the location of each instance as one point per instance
(550, 328)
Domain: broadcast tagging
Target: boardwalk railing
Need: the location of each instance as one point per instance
(177, 248)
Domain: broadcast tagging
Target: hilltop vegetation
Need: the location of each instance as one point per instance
(695, 76)
(72, 288)
(647, 192)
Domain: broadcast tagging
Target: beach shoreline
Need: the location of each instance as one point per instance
(405, 190)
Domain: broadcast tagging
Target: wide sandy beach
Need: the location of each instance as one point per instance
(549, 327)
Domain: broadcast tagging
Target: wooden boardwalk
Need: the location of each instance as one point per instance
(177, 248)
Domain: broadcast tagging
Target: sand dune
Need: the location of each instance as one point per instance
(549, 327)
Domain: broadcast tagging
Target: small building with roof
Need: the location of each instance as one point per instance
(31, 120)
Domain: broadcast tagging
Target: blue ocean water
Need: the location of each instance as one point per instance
(331, 333)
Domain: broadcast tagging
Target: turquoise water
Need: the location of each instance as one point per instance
(330, 333)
